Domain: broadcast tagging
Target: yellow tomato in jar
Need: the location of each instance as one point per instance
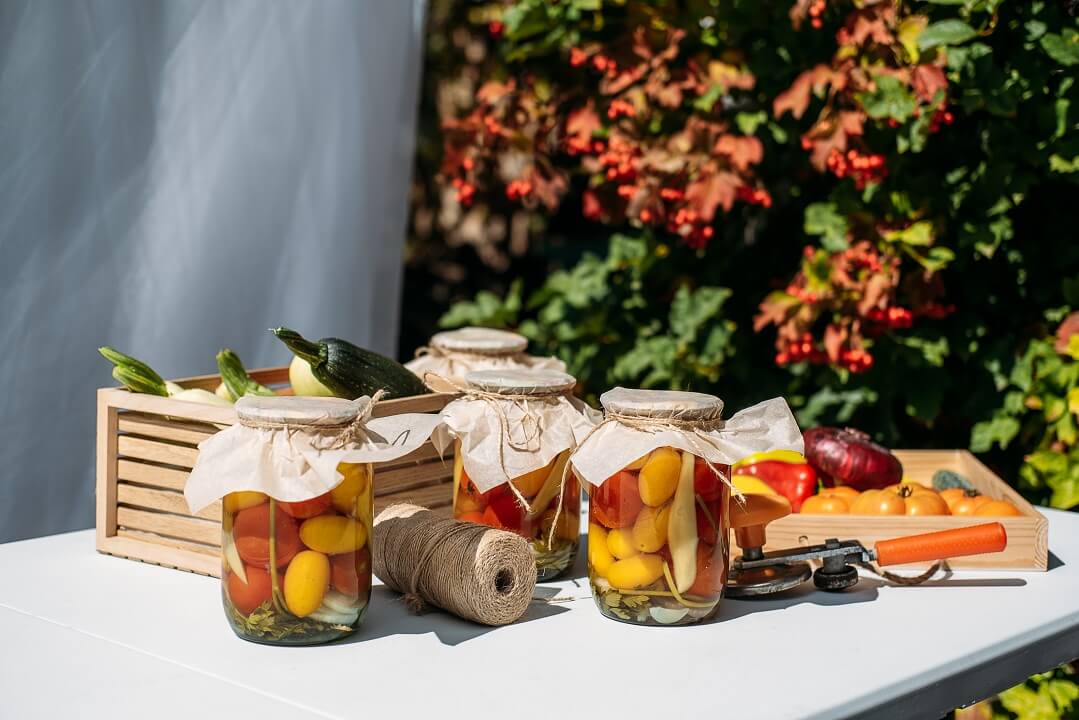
(354, 482)
(307, 579)
(333, 534)
(659, 476)
(599, 557)
(237, 501)
(635, 572)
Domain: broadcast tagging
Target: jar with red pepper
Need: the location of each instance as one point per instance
(513, 432)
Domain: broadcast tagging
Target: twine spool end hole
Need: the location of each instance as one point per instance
(504, 581)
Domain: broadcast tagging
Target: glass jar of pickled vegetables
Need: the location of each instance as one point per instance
(514, 431)
(295, 477)
(658, 475)
(451, 355)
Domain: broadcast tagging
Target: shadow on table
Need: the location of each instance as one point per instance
(389, 616)
(866, 590)
(1053, 561)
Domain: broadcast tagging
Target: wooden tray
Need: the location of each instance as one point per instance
(147, 445)
(1027, 549)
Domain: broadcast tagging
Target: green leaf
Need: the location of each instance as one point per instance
(749, 122)
(824, 219)
(1059, 164)
(692, 310)
(1000, 430)
(1063, 48)
(945, 32)
(890, 99)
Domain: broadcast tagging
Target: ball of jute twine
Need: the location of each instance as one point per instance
(472, 571)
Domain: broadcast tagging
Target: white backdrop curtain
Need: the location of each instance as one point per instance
(178, 176)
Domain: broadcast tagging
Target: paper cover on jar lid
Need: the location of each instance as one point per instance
(639, 421)
(451, 355)
(511, 422)
(289, 447)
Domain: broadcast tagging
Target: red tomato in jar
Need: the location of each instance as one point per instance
(245, 597)
(251, 531)
(705, 481)
(507, 509)
(711, 572)
(350, 573)
(307, 508)
(617, 502)
(490, 518)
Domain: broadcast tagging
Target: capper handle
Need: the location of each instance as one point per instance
(974, 540)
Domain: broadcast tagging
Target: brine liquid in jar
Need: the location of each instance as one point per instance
(298, 573)
(552, 534)
(658, 539)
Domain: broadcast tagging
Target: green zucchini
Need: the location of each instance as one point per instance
(235, 376)
(349, 371)
(134, 374)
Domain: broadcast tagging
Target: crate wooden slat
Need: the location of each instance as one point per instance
(147, 445)
(1028, 547)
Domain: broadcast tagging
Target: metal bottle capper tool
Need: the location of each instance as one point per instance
(756, 572)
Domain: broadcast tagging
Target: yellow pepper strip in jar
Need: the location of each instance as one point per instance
(620, 543)
(550, 487)
(635, 572)
(333, 534)
(682, 528)
(650, 528)
(306, 581)
(355, 482)
(659, 477)
(787, 456)
(599, 557)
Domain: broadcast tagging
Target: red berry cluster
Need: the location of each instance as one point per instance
(754, 196)
(577, 57)
(620, 108)
(855, 360)
(496, 28)
(466, 191)
(802, 350)
(519, 189)
(895, 318)
(604, 65)
(620, 163)
(816, 9)
(863, 169)
(687, 223)
(940, 117)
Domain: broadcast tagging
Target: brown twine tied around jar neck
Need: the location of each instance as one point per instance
(693, 429)
(473, 571)
(333, 436)
(505, 436)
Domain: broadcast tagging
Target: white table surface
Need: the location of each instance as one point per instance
(88, 635)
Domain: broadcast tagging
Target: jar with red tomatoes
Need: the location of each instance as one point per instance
(658, 476)
(513, 431)
(295, 478)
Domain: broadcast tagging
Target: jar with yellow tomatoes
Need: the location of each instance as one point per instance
(658, 476)
(296, 481)
(513, 431)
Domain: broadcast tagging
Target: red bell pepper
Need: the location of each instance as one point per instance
(794, 481)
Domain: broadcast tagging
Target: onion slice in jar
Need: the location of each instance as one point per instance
(682, 527)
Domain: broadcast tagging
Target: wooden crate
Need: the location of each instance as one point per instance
(147, 445)
(1027, 549)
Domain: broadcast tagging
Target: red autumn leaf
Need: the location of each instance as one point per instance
(582, 122)
(774, 310)
(1069, 327)
(835, 336)
(718, 189)
(741, 150)
(928, 80)
(852, 122)
(875, 290)
(796, 98)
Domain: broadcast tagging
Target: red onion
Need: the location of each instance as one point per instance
(851, 458)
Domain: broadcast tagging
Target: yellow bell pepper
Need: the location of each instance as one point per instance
(787, 456)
